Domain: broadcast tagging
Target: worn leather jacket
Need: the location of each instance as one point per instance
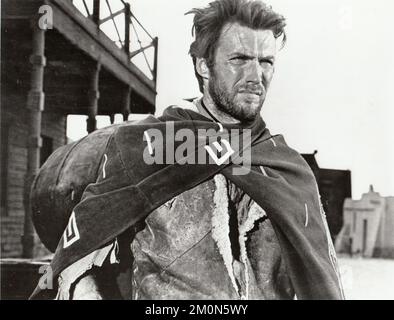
(210, 242)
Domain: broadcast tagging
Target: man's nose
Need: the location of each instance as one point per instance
(254, 72)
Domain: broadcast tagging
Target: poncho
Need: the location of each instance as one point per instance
(279, 180)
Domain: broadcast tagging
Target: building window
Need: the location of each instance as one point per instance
(46, 149)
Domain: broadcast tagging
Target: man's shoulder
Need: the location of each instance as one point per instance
(184, 104)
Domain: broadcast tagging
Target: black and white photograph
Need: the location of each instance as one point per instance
(208, 151)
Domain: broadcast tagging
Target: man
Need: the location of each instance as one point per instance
(212, 240)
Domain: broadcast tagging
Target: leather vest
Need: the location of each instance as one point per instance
(210, 242)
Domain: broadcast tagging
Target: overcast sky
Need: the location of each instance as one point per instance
(332, 91)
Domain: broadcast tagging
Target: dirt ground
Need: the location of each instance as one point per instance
(367, 279)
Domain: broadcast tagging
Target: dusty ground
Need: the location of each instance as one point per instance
(370, 279)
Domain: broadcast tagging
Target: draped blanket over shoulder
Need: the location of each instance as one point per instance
(127, 189)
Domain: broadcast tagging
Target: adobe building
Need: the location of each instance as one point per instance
(368, 228)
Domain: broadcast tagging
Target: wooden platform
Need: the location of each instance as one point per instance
(73, 47)
(70, 67)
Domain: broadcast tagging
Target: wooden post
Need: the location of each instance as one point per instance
(35, 106)
(96, 12)
(126, 103)
(112, 118)
(127, 16)
(156, 44)
(94, 95)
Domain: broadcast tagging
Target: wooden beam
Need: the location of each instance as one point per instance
(96, 12)
(35, 106)
(156, 43)
(126, 103)
(94, 95)
(127, 18)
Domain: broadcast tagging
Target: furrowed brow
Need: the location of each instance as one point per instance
(240, 54)
(251, 57)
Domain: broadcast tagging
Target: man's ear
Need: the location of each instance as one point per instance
(202, 68)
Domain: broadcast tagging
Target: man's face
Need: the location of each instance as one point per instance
(242, 71)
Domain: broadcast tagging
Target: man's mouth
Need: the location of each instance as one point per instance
(251, 92)
(256, 94)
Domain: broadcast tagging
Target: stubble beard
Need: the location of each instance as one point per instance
(226, 102)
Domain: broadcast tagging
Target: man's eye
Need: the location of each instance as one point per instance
(238, 60)
(269, 62)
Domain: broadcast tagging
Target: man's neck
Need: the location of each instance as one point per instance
(213, 112)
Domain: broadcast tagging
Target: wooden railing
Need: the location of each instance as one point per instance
(122, 31)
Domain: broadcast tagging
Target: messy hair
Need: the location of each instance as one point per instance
(208, 23)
